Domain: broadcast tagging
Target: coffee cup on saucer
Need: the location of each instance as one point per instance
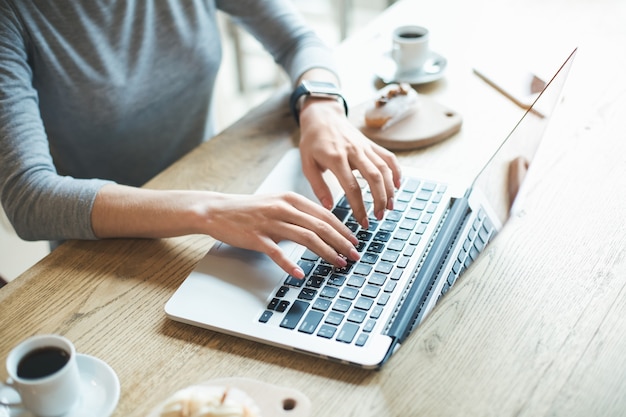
(44, 372)
(49, 378)
(410, 48)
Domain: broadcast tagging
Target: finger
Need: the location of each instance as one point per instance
(391, 161)
(313, 174)
(312, 240)
(319, 239)
(352, 190)
(389, 178)
(345, 176)
(315, 213)
(321, 230)
(276, 254)
(380, 180)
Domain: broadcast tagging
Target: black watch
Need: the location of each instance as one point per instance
(319, 89)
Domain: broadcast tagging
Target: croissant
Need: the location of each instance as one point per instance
(210, 401)
(394, 103)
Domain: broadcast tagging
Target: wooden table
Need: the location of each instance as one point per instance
(536, 327)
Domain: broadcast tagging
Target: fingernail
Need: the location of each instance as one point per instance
(380, 214)
(354, 255)
(390, 203)
(365, 224)
(340, 261)
(297, 272)
(327, 203)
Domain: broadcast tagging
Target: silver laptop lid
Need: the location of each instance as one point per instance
(522, 142)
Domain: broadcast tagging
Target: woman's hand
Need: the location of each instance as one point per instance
(259, 222)
(329, 141)
(255, 222)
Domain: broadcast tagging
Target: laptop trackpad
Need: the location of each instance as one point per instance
(237, 273)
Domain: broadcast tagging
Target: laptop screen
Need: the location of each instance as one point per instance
(520, 145)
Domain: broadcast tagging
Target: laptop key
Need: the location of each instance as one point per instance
(376, 312)
(384, 268)
(371, 291)
(411, 185)
(321, 304)
(382, 236)
(282, 291)
(364, 303)
(347, 332)
(310, 322)
(360, 341)
(334, 318)
(322, 270)
(315, 282)
(349, 293)
(294, 282)
(356, 281)
(364, 236)
(377, 279)
(307, 294)
(329, 292)
(383, 299)
(369, 325)
(357, 316)
(369, 258)
(376, 247)
(265, 316)
(341, 213)
(327, 331)
(363, 269)
(295, 313)
(273, 304)
(342, 305)
(282, 306)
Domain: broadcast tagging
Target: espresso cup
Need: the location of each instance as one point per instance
(44, 372)
(410, 48)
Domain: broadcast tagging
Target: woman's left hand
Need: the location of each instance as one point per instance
(328, 141)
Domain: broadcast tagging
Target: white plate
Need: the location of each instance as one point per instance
(272, 400)
(100, 391)
(432, 70)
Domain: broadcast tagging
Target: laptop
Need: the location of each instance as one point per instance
(361, 314)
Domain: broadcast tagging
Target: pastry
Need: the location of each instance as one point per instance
(209, 401)
(393, 103)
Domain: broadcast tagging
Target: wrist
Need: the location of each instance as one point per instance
(314, 110)
(315, 91)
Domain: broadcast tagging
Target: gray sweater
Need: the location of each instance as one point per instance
(98, 91)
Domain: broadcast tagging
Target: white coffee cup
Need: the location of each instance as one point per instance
(44, 372)
(410, 48)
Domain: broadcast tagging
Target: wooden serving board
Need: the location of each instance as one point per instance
(431, 122)
(272, 400)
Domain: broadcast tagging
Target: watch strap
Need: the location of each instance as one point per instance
(304, 90)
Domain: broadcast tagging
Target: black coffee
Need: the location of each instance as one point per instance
(411, 35)
(42, 362)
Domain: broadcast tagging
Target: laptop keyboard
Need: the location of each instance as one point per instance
(481, 233)
(345, 304)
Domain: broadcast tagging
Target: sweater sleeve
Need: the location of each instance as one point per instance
(281, 29)
(40, 204)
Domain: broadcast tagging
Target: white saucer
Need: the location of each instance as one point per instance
(100, 390)
(432, 70)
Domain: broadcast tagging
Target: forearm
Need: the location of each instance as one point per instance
(319, 74)
(122, 211)
(245, 221)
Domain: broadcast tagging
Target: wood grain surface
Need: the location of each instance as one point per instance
(534, 328)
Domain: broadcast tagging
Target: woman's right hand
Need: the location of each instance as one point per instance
(259, 222)
(255, 222)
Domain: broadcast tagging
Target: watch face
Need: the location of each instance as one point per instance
(321, 87)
